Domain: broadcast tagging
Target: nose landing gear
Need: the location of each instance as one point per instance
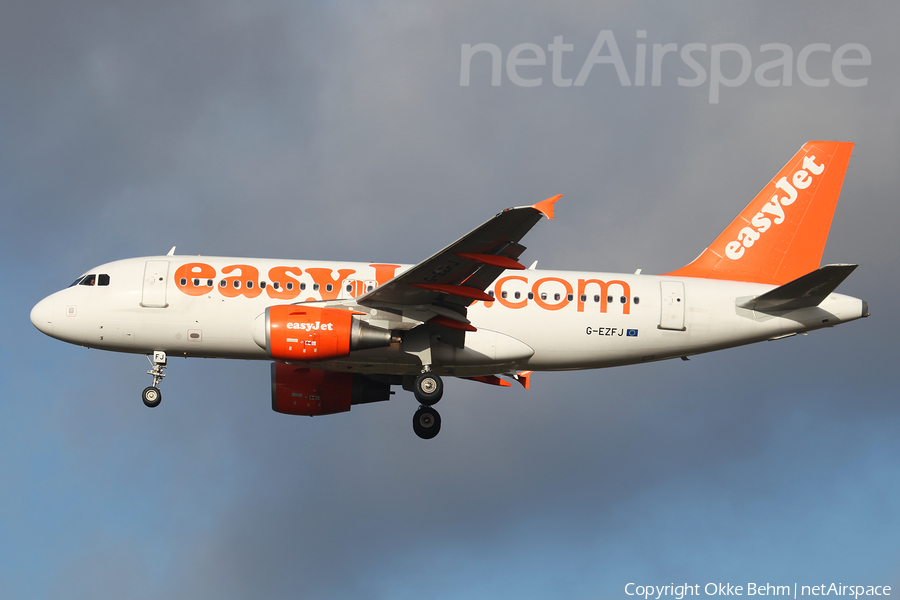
(151, 395)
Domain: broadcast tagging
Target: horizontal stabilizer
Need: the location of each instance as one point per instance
(804, 292)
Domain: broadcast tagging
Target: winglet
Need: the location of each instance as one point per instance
(546, 206)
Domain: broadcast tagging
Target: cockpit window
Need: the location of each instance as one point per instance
(91, 279)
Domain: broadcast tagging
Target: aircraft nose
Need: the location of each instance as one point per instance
(42, 316)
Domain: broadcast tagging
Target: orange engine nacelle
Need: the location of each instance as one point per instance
(307, 333)
(311, 392)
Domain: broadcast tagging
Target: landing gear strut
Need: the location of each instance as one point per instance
(151, 395)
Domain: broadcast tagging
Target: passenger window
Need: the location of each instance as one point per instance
(597, 298)
(609, 298)
(328, 287)
(518, 295)
(290, 285)
(637, 300)
(503, 294)
(623, 299)
(249, 284)
(315, 287)
(237, 284)
(543, 295)
(222, 283)
(276, 285)
(196, 282)
(184, 281)
(570, 297)
(302, 286)
(531, 295)
(556, 296)
(103, 279)
(262, 285)
(349, 287)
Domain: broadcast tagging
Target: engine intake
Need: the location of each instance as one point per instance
(308, 333)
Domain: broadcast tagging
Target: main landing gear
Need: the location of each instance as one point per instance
(428, 389)
(426, 422)
(151, 395)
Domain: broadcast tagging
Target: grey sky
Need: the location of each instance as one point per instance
(340, 131)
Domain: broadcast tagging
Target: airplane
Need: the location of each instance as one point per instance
(341, 334)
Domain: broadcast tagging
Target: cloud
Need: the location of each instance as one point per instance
(340, 131)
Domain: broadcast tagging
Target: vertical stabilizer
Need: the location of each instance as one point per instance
(781, 234)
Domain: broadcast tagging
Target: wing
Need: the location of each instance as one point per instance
(450, 280)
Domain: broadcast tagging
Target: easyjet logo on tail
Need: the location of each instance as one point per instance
(774, 210)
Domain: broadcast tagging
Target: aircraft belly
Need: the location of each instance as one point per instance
(483, 348)
(145, 330)
(485, 353)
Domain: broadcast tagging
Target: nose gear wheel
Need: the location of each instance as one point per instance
(151, 397)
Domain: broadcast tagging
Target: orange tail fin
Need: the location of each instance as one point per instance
(781, 234)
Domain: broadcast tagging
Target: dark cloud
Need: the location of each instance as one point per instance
(340, 131)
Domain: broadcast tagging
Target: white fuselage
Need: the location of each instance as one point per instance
(540, 320)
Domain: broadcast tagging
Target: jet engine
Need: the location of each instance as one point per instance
(295, 332)
(311, 392)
